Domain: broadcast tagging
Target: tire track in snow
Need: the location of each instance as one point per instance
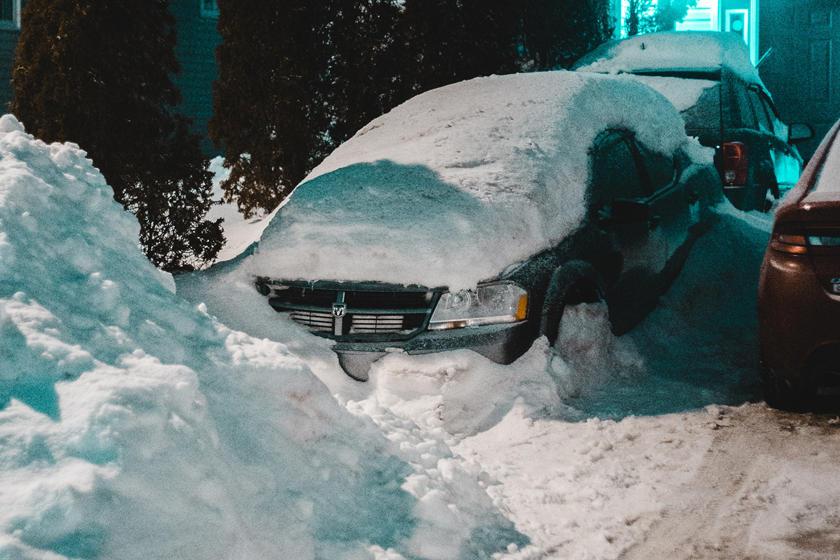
(751, 478)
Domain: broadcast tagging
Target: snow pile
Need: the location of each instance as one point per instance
(483, 173)
(134, 426)
(673, 51)
(418, 402)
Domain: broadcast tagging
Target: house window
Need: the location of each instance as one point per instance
(209, 8)
(10, 14)
(703, 16)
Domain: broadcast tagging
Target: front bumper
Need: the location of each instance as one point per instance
(499, 343)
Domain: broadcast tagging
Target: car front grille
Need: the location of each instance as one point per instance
(351, 312)
(374, 324)
(321, 322)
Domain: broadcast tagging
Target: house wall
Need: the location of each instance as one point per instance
(196, 52)
(803, 71)
(8, 43)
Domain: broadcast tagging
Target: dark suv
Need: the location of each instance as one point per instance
(734, 113)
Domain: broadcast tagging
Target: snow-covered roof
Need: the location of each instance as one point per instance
(674, 51)
(456, 184)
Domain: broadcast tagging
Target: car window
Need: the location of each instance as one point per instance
(780, 129)
(660, 169)
(705, 113)
(760, 111)
(615, 174)
(746, 115)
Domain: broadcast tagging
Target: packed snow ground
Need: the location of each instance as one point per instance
(136, 425)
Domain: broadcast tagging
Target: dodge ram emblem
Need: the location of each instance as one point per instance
(338, 310)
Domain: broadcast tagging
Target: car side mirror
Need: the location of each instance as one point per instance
(799, 132)
(625, 211)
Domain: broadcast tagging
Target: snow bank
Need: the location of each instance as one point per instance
(483, 173)
(692, 51)
(134, 426)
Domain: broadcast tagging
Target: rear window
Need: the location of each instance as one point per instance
(706, 115)
(828, 180)
(717, 106)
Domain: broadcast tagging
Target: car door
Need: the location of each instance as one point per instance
(778, 151)
(787, 162)
(619, 206)
(669, 203)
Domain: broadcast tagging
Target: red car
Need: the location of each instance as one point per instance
(799, 290)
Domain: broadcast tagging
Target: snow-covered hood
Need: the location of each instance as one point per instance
(458, 183)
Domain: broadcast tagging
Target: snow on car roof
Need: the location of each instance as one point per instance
(675, 51)
(458, 183)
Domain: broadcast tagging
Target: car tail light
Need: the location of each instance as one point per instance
(789, 242)
(735, 163)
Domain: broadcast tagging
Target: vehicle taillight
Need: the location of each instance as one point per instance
(735, 163)
(788, 242)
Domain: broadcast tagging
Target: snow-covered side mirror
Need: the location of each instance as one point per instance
(800, 132)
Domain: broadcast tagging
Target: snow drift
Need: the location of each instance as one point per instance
(482, 173)
(674, 51)
(133, 425)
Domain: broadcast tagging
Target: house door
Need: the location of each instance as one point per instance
(803, 72)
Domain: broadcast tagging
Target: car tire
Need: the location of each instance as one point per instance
(771, 193)
(784, 395)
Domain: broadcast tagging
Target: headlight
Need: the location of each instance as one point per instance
(503, 302)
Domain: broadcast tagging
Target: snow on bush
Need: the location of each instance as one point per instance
(692, 51)
(133, 425)
(482, 173)
(240, 233)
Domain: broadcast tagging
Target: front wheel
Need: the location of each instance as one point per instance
(785, 395)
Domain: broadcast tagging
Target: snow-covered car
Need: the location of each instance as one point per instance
(709, 77)
(472, 215)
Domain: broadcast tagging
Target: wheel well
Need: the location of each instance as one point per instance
(570, 285)
(584, 290)
(822, 365)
